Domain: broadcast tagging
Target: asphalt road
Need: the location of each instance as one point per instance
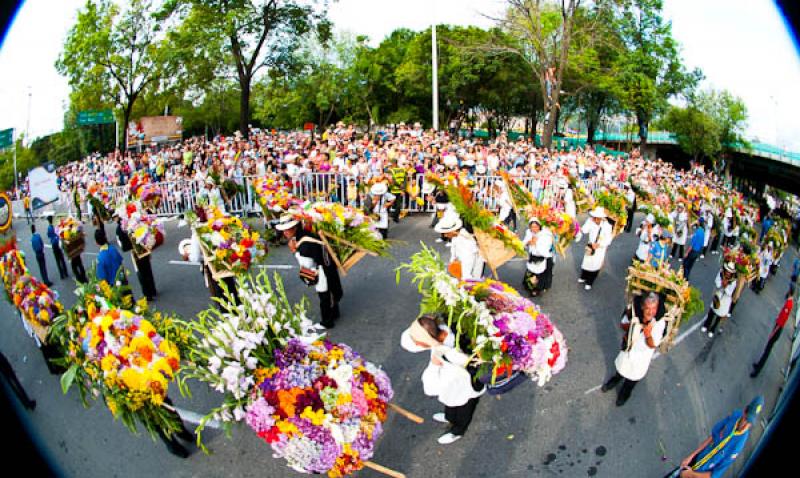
(567, 428)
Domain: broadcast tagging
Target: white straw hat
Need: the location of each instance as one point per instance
(598, 212)
(448, 224)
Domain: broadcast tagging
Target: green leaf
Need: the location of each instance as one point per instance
(68, 378)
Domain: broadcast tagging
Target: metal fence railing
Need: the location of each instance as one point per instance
(181, 196)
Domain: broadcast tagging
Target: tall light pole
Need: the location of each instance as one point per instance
(28, 123)
(435, 58)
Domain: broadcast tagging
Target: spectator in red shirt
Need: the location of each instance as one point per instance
(780, 322)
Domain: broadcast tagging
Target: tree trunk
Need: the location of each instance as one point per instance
(244, 105)
(642, 122)
(126, 118)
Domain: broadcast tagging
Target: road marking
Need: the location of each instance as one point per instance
(268, 266)
(680, 339)
(195, 418)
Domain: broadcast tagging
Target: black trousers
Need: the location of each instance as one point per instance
(589, 276)
(329, 308)
(512, 218)
(384, 232)
(77, 268)
(13, 382)
(144, 272)
(629, 223)
(460, 417)
(42, 267)
(397, 206)
(767, 350)
(627, 386)
(172, 443)
(60, 262)
(714, 243)
(689, 263)
(677, 251)
(712, 321)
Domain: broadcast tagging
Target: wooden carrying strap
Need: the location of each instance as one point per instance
(384, 470)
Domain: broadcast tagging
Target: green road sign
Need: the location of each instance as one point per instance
(95, 117)
(6, 138)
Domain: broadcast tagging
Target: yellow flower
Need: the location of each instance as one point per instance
(370, 391)
(316, 418)
(287, 428)
(133, 379)
(344, 399)
(112, 407)
(108, 363)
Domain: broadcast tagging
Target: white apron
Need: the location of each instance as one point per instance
(601, 234)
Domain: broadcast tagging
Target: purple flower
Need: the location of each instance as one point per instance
(518, 347)
(294, 351)
(259, 415)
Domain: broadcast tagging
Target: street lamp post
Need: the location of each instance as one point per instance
(435, 59)
(116, 126)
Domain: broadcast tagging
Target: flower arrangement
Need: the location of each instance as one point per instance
(145, 230)
(137, 182)
(507, 333)
(583, 200)
(472, 213)
(615, 205)
(229, 243)
(274, 195)
(150, 196)
(12, 267)
(520, 195)
(129, 355)
(345, 222)
(69, 229)
(38, 303)
(320, 406)
(645, 276)
(746, 263)
(662, 218)
(561, 224)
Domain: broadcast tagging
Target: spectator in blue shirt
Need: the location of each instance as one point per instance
(718, 452)
(57, 252)
(766, 225)
(109, 259)
(659, 250)
(38, 249)
(695, 247)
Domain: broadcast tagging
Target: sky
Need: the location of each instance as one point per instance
(741, 45)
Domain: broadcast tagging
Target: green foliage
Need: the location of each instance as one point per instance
(694, 306)
(697, 133)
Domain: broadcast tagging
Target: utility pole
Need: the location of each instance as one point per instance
(434, 55)
(16, 178)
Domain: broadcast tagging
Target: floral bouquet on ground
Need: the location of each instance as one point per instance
(472, 213)
(273, 195)
(347, 223)
(229, 244)
(129, 357)
(38, 303)
(318, 404)
(145, 230)
(561, 224)
(508, 333)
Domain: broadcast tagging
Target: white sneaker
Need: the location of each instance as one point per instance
(711, 335)
(448, 438)
(439, 417)
(587, 287)
(439, 240)
(581, 281)
(447, 245)
(703, 329)
(702, 256)
(680, 260)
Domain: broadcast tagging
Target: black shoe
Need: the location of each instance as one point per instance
(48, 284)
(30, 405)
(328, 325)
(607, 386)
(621, 401)
(177, 449)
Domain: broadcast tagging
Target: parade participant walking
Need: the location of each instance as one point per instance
(659, 250)
(765, 260)
(38, 249)
(648, 234)
(644, 331)
(58, 254)
(709, 229)
(718, 452)
(680, 220)
(378, 203)
(630, 199)
(317, 268)
(144, 270)
(538, 242)
(775, 334)
(399, 176)
(109, 260)
(26, 204)
(695, 247)
(449, 376)
(723, 297)
(600, 235)
(730, 230)
(506, 213)
(465, 258)
(76, 263)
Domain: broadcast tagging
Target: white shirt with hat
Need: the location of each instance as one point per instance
(722, 306)
(464, 248)
(448, 381)
(542, 248)
(680, 221)
(379, 208)
(601, 234)
(634, 362)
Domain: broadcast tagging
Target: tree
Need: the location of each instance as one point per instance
(729, 113)
(650, 72)
(244, 36)
(543, 32)
(113, 55)
(696, 131)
